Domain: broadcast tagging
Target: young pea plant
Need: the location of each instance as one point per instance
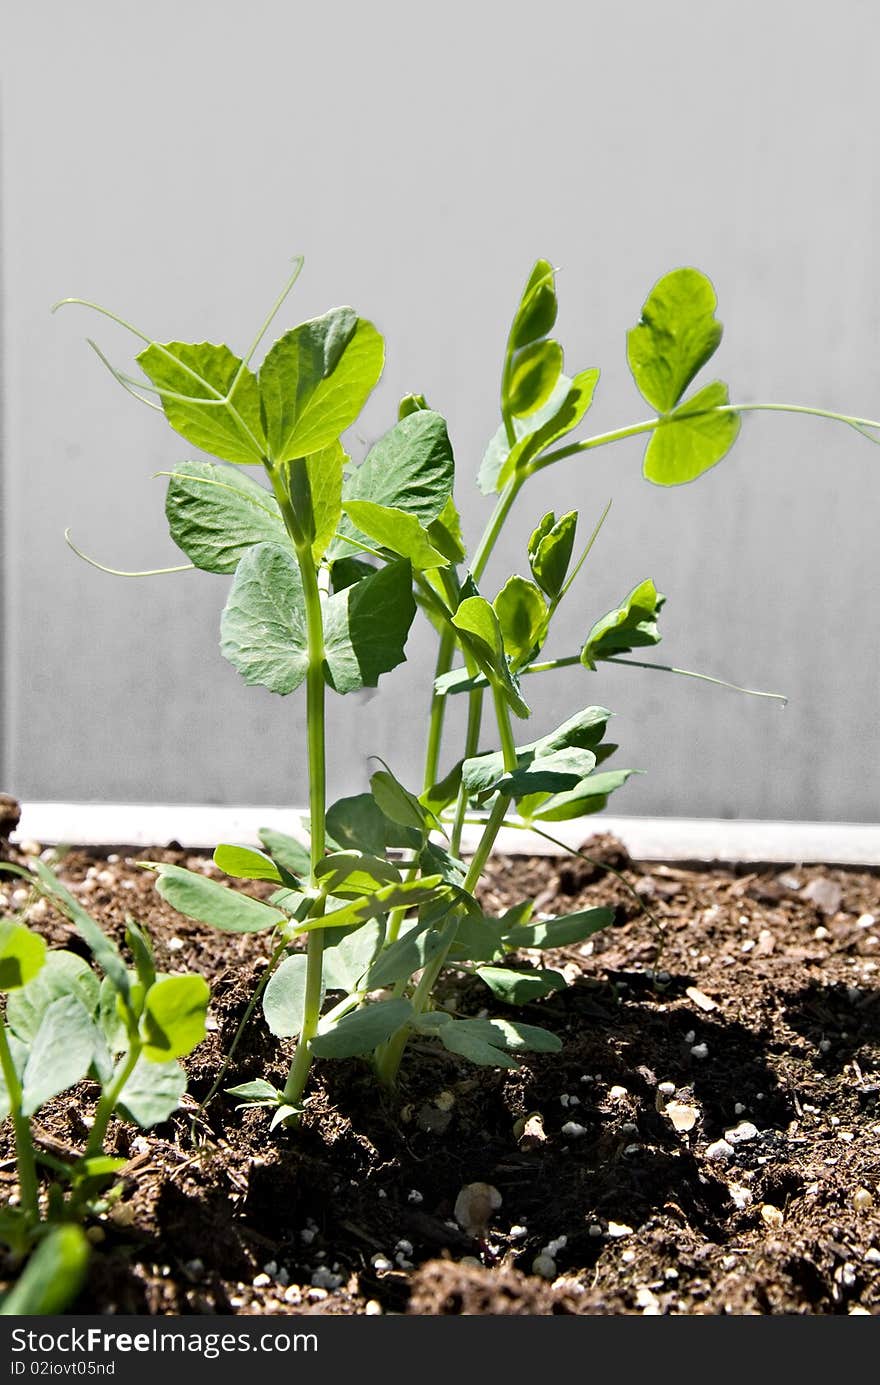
(329, 563)
(124, 1030)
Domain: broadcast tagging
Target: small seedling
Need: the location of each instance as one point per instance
(329, 563)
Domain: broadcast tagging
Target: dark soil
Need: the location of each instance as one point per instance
(762, 1007)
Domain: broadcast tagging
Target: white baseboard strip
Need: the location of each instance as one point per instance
(647, 839)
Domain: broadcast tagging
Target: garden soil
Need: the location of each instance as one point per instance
(707, 1141)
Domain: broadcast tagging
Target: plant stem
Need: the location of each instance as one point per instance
(24, 1149)
(438, 710)
(471, 746)
(107, 1104)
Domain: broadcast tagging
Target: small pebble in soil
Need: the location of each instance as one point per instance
(594, 1229)
(372, 1308)
(174, 944)
(628, 1256)
(872, 1256)
(700, 999)
(617, 1093)
(649, 1303)
(771, 1216)
(381, 1263)
(518, 1232)
(865, 921)
(700, 1051)
(413, 1196)
(682, 1116)
(261, 1281)
(544, 1266)
(690, 1036)
(738, 1108)
(821, 934)
(617, 1230)
(741, 1133)
(474, 1206)
(739, 1196)
(572, 1131)
(719, 1149)
(824, 1045)
(862, 1200)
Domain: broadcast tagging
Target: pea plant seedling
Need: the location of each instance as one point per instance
(125, 1030)
(329, 564)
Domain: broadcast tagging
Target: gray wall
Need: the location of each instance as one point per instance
(170, 161)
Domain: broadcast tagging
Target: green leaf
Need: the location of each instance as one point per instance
(397, 531)
(52, 1277)
(63, 974)
(284, 998)
(366, 628)
(537, 309)
(112, 1014)
(577, 401)
(519, 987)
(560, 932)
(411, 951)
(460, 1038)
(22, 955)
(550, 549)
(263, 627)
(61, 1052)
(478, 939)
(258, 1093)
(691, 439)
(590, 796)
(522, 615)
(216, 514)
(212, 415)
(513, 1035)
(358, 823)
(445, 791)
(173, 1020)
(153, 1092)
(631, 625)
(286, 851)
(477, 622)
(142, 952)
(411, 468)
(536, 371)
(209, 902)
(105, 952)
(445, 533)
(324, 472)
(677, 334)
(346, 961)
(362, 1030)
(398, 804)
(244, 863)
(436, 860)
(316, 379)
(559, 759)
(411, 404)
(407, 894)
(498, 450)
(349, 874)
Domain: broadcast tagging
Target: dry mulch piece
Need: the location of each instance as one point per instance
(707, 1141)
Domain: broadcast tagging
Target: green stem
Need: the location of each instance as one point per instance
(851, 419)
(502, 509)
(471, 746)
(107, 1103)
(438, 710)
(24, 1149)
(616, 435)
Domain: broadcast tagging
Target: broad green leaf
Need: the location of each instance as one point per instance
(22, 955)
(590, 796)
(537, 309)
(362, 1030)
(461, 1039)
(210, 902)
(677, 334)
(397, 531)
(173, 1020)
(498, 450)
(445, 533)
(405, 895)
(286, 851)
(411, 468)
(284, 998)
(478, 940)
(314, 485)
(346, 571)
(346, 961)
(511, 1034)
(358, 823)
(153, 1092)
(349, 874)
(411, 404)
(244, 863)
(692, 438)
(216, 514)
(436, 860)
(196, 382)
(366, 628)
(477, 622)
(398, 804)
(412, 950)
(520, 987)
(52, 1277)
(631, 625)
(522, 615)
(528, 449)
(105, 952)
(263, 627)
(560, 932)
(142, 952)
(536, 371)
(316, 379)
(445, 791)
(112, 1013)
(63, 974)
(544, 758)
(550, 549)
(61, 1052)
(258, 1092)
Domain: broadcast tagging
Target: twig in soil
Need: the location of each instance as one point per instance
(252, 1005)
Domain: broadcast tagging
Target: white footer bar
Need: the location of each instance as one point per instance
(647, 839)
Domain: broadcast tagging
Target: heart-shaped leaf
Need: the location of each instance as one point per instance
(284, 998)
(173, 1019)
(693, 438)
(677, 334)
(63, 974)
(153, 1092)
(522, 615)
(209, 902)
(22, 955)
